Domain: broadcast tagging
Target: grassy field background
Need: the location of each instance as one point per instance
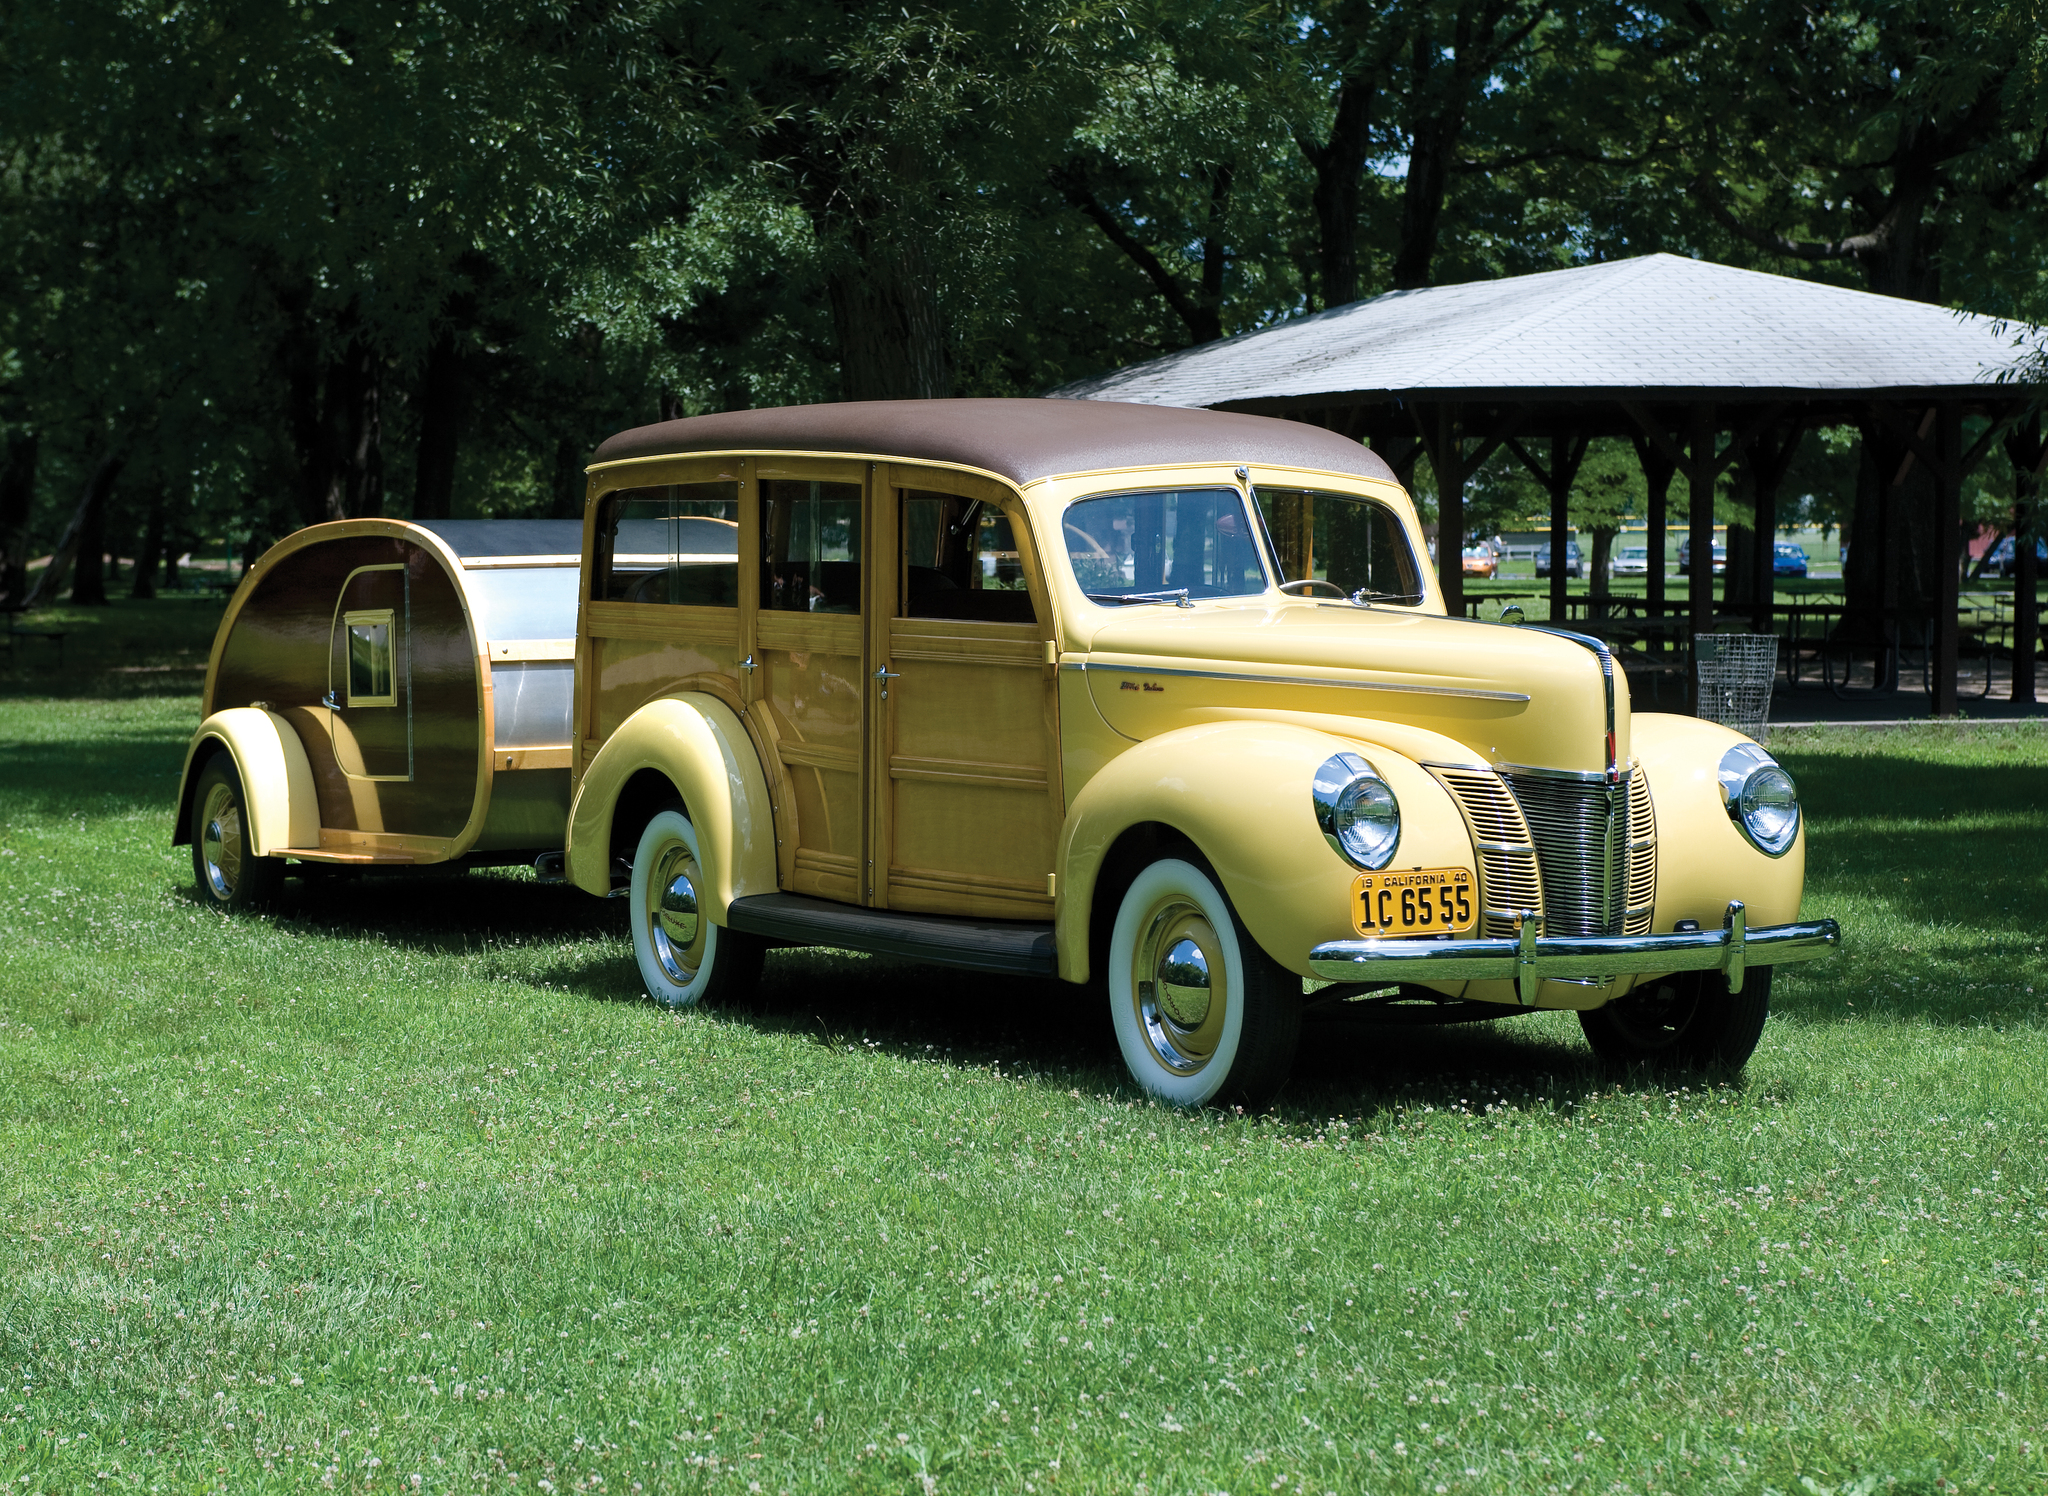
(406, 1188)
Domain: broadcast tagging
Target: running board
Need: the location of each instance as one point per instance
(1015, 947)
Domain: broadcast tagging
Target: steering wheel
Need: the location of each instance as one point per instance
(1315, 582)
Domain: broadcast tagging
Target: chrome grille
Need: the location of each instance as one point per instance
(1581, 831)
(1642, 856)
(1508, 881)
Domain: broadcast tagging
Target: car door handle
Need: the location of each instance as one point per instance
(750, 663)
(884, 674)
(331, 702)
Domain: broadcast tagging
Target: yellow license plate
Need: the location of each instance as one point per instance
(1418, 901)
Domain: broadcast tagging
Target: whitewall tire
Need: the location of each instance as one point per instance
(684, 958)
(1202, 1014)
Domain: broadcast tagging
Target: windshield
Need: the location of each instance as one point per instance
(1353, 543)
(1151, 547)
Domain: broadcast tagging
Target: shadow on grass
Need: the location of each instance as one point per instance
(129, 648)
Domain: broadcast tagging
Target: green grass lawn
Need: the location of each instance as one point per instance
(406, 1187)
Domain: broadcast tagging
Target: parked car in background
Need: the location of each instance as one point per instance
(1574, 563)
(1685, 557)
(2004, 558)
(1788, 560)
(1632, 561)
(1481, 561)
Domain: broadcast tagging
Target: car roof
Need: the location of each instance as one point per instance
(1022, 440)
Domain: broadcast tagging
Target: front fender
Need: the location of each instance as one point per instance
(277, 778)
(1703, 859)
(701, 747)
(1240, 792)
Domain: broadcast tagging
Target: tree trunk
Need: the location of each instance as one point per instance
(17, 503)
(885, 308)
(174, 547)
(1601, 562)
(89, 565)
(441, 406)
(337, 430)
(97, 487)
(569, 486)
(150, 549)
(1339, 165)
(1431, 145)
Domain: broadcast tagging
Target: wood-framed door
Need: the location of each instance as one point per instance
(964, 794)
(805, 632)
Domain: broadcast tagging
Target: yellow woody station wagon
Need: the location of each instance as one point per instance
(1164, 701)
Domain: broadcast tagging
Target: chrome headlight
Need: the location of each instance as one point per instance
(1357, 810)
(1761, 798)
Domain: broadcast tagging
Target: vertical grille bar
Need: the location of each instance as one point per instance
(1580, 828)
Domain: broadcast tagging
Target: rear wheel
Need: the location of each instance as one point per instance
(1689, 1021)
(229, 873)
(684, 958)
(1203, 1015)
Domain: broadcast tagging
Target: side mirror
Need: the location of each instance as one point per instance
(1511, 613)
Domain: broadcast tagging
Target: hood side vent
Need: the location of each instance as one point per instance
(1508, 880)
(1642, 855)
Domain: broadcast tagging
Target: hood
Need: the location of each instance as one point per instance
(1510, 694)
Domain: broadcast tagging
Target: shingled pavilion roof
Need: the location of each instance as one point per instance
(1676, 354)
(1659, 327)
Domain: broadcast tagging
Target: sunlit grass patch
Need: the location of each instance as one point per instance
(406, 1180)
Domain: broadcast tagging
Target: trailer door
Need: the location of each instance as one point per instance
(369, 675)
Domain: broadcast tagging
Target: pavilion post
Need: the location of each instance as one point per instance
(1560, 486)
(1700, 471)
(1448, 461)
(2028, 453)
(1948, 554)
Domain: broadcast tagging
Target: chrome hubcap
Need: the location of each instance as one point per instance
(1180, 986)
(220, 842)
(675, 928)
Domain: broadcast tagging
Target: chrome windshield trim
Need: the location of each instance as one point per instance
(1469, 693)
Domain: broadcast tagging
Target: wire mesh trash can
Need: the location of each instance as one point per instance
(1736, 672)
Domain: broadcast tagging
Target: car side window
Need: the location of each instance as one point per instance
(677, 544)
(810, 546)
(1350, 542)
(960, 560)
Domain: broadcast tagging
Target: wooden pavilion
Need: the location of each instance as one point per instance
(1697, 363)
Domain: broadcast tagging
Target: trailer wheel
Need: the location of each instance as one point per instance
(1689, 1021)
(230, 876)
(1203, 1015)
(684, 958)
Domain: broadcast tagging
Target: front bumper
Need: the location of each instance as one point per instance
(1530, 959)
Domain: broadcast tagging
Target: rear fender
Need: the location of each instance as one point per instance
(277, 778)
(1240, 791)
(699, 745)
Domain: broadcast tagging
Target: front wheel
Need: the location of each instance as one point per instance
(684, 958)
(1689, 1021)
(230, 875)
(1203, 1015)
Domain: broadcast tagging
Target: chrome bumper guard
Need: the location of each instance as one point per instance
(1530, 959)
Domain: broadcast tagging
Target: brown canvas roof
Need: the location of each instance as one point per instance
(1023, 440)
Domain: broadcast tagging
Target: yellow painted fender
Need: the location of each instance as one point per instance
(1703, 859)
(1240, 792)
(697, 743)
(277, 778)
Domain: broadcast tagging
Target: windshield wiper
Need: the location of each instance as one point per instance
(1178, 597)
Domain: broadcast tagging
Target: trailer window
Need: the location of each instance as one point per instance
(677, 544)
(369, 658)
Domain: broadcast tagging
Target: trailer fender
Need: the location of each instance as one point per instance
(699, 745)
(277, 778)
(1240, 791)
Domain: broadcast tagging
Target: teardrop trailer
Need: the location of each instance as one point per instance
(1165, 701)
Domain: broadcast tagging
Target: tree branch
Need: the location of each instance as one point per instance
(1069, 181)
(1850, 248)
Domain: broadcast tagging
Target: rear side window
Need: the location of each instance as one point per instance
(1352, 543)
(677, 544)
(810, 546)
